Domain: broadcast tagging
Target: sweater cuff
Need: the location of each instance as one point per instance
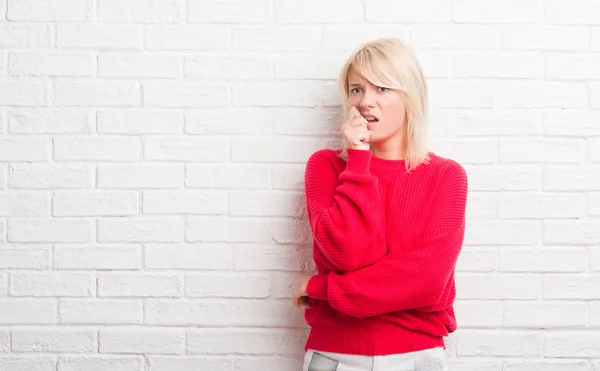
(359, 161)
(317, 287)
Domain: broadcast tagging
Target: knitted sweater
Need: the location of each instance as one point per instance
(386, 242)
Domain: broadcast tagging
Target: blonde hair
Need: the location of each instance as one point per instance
(390, 63)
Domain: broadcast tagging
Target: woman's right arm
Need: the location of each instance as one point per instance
(345, 212)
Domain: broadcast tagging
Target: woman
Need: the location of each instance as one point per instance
(388, 220)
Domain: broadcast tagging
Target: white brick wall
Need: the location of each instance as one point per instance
(151, 175)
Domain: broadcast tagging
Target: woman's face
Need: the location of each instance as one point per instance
(384, 108)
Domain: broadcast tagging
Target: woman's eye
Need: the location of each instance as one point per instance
(355, 91)
(383, 89)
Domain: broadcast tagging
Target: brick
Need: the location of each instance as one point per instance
(97, 93)
(546, 38)
(231, 121)
(573, 13)
(184, 148)
(291, 230)
(140, 65)
(541, 95)
(49, 230)
(521, 232)
(4, 341)
(99, 36)
(40, 258)
(96, 203)
(139, 285)
(52, 284)
(140, 176)
(228, 176)
(288, 177)
(22, 92)
(495, 11)
(283, 284)
(477, 259)
(54, 340)
(133, 11)
(580, 287)
(21, 311)
(543, 260)
(585, 232)
(228, 341)
(507, 66)
(142, 340)
(482, 205)
(276, 38)
(269, 363)
(240, 11)
(3, 284)
(498, 286)
(409, 12)
(49, 121)
(350, 37)
(188, 256)
(178, 37)
(248, 285)
(267, 204)
(468, 152)
(184, 94)
(26, 150)
(594, 203)
(499, 343)
(292, 341)
(121, 149)
(546, 365)
(23, 204)
(24, 36)
(138, 122)
(334, 11)
(457, 37)
(463, 364)
(97, 257)
(143, 229)
(207, 229)
(435, 63)
(471, 313)
(285, 93)
(29, 362)
(185, 202)
(61, 65)
(283, 149)
(324, 67)
(270, 257)
(191, 363)
(541, 206)
(214, 312)
(496, 122)
(50, 11)
(50, 176)
(85, 311)
(100, 363)
(544, 314)
(450, 94)
(595, 313)
(595, 45)
(594, 146)
(571, 123)
(572, 178)
(208, 67)
(567, 343)
(595, 96)
(572, 68)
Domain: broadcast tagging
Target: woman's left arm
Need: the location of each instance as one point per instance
(412, 279)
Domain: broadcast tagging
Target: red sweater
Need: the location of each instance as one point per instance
(386, 242)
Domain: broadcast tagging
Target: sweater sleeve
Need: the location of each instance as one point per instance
(412, 279)
(345, 211)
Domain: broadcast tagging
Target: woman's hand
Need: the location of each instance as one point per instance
(300, 297)
(355, 130)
